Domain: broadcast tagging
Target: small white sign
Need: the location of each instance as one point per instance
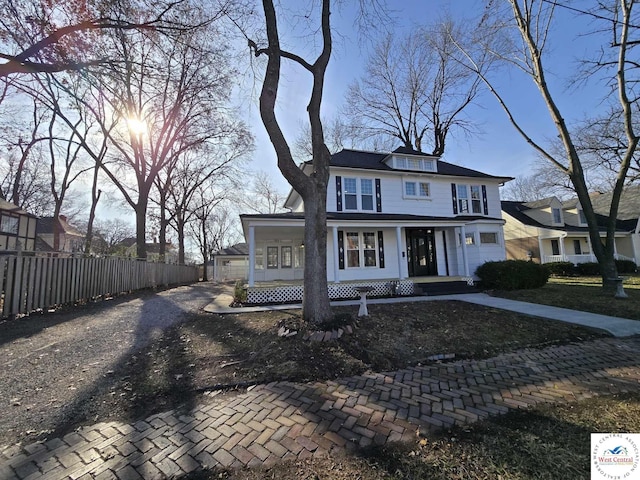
(615, 456)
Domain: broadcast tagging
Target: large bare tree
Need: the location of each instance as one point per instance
(171, 96)
(312, 188)
(414, 90)
(523, 30)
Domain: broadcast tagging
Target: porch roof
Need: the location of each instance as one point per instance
(394, 219)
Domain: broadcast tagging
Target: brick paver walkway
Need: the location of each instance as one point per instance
(283, 420)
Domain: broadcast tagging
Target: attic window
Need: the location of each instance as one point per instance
(557, 216)
(415, 164)
(583, 217)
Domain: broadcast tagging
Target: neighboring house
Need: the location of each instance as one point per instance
(229, 264)
(69, 239)
(17, 228)
(129, 249)
(549, 230)
(391, 217)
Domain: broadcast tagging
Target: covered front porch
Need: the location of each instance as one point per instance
(361, 250)
(577, 248)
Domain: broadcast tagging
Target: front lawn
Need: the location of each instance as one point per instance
(584, 294)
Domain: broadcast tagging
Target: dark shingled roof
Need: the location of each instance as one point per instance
(237, 249)
(45, 225)
(629, 208)
(374, 161)
(517, 209)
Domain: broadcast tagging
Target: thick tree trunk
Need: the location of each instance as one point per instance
(205, 249)
(315, 303)
(141, 231)
(180, 223)
(163, 230)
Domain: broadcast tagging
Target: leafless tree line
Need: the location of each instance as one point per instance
(122, 100)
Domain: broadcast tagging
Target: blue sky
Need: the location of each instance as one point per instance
(498, 149)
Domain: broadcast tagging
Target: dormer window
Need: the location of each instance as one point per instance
(557, 215)
(414, 163)
(582, 216)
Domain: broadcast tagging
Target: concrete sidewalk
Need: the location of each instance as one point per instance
(619, 327)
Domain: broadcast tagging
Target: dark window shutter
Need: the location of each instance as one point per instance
(381, 248)
(485, 203)
(378, 196)
(340, 249)
(339, 194)
(454, 196)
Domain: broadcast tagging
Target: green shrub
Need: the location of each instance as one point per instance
(561, 269)
(512, 275)
(588, 269)
(239, 292)
(626, 266)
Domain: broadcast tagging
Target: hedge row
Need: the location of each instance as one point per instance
(568, 269)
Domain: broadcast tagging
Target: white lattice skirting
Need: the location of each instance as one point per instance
(337, 291)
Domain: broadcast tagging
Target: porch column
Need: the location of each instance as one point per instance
(400, 258)
(562, 252)
(540, 247)
(336, 255)
(592, 258)
(465, 257)
(252, 255)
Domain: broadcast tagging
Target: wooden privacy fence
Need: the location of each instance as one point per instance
(28, 283)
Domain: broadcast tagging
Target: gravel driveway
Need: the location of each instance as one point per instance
(50, 364)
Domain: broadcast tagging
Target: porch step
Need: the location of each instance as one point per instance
(444, 288)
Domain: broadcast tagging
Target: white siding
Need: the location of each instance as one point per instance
(440, 204)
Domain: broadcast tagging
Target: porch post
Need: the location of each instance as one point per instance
(562, 252)
(590, 249)
(336, 254)
(399, 245)
(465, 257)
(540, 247)
(252, 255)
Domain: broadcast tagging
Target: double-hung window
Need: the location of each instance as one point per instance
(557, 215)
(350, 194)
(358, 194)
(463, 199)
(476, 199)
(583, 217)
(361, 249)
(469, 199)
(366, 193)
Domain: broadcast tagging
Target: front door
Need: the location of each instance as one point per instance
(421, 252)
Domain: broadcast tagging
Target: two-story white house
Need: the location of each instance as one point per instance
(397, 218)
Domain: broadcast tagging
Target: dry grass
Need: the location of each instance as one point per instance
(548, 442)
(584, 294)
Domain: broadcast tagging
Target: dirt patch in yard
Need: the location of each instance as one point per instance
(201, 351)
